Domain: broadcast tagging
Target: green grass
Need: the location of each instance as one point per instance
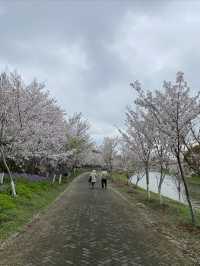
(32, 197)
(194, 180)
(173, 211)
(119, 177)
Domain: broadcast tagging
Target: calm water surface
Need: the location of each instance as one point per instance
(169, 187)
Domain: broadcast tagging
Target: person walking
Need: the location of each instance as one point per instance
(90, 180)
(93, 178)
(104, 176)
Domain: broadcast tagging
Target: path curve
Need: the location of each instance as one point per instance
(91, 227)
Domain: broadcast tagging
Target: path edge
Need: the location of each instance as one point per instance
(12, 237)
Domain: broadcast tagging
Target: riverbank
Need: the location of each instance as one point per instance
(171, 218)
(32, 198)
(180, 210)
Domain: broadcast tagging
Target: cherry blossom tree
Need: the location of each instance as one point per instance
(161, 156)
(43, 131)
(77, 139)
(127, 158)
(93, 157)
(192, 143)
(139, 172)
(10, 117)
(32, 125)
(109, 151)
(140, 136)
(173, 109)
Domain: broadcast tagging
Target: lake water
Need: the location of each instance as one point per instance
(169, 187)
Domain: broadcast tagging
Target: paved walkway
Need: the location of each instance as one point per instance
(91, 227)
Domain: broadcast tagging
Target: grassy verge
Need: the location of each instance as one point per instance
(170, 211)
(194, 180)
(32, 197)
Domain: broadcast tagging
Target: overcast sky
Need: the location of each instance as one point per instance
(88, 52)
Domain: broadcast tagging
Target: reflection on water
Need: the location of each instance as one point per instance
(170, 187)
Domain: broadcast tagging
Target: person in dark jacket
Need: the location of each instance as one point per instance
(89, 180)
(104, 176)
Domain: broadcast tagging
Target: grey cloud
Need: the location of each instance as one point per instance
(89, 51)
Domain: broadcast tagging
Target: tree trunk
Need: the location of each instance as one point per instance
(60, 179)
(179, 191)
(160, 195)
(138, 179)
(160, 184)
(160, 198)
(1, 179)
(178, 186)
(147, 180)
(54, 178)
(186, 189)
(13, 188)
(9, 173)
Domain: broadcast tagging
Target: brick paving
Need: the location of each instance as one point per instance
(91, 227)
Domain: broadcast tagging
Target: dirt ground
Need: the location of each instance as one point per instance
(93, 227)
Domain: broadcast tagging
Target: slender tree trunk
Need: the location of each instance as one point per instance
(186, 189)
(60, 179)
(147, 179)
(138, 179)
(1, 179)
(179, 190)
(160, 198)
(160, 184)
(159, 193)
(9, 173)
(54, 179)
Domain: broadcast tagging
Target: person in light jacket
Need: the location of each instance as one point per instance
(93, 178)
